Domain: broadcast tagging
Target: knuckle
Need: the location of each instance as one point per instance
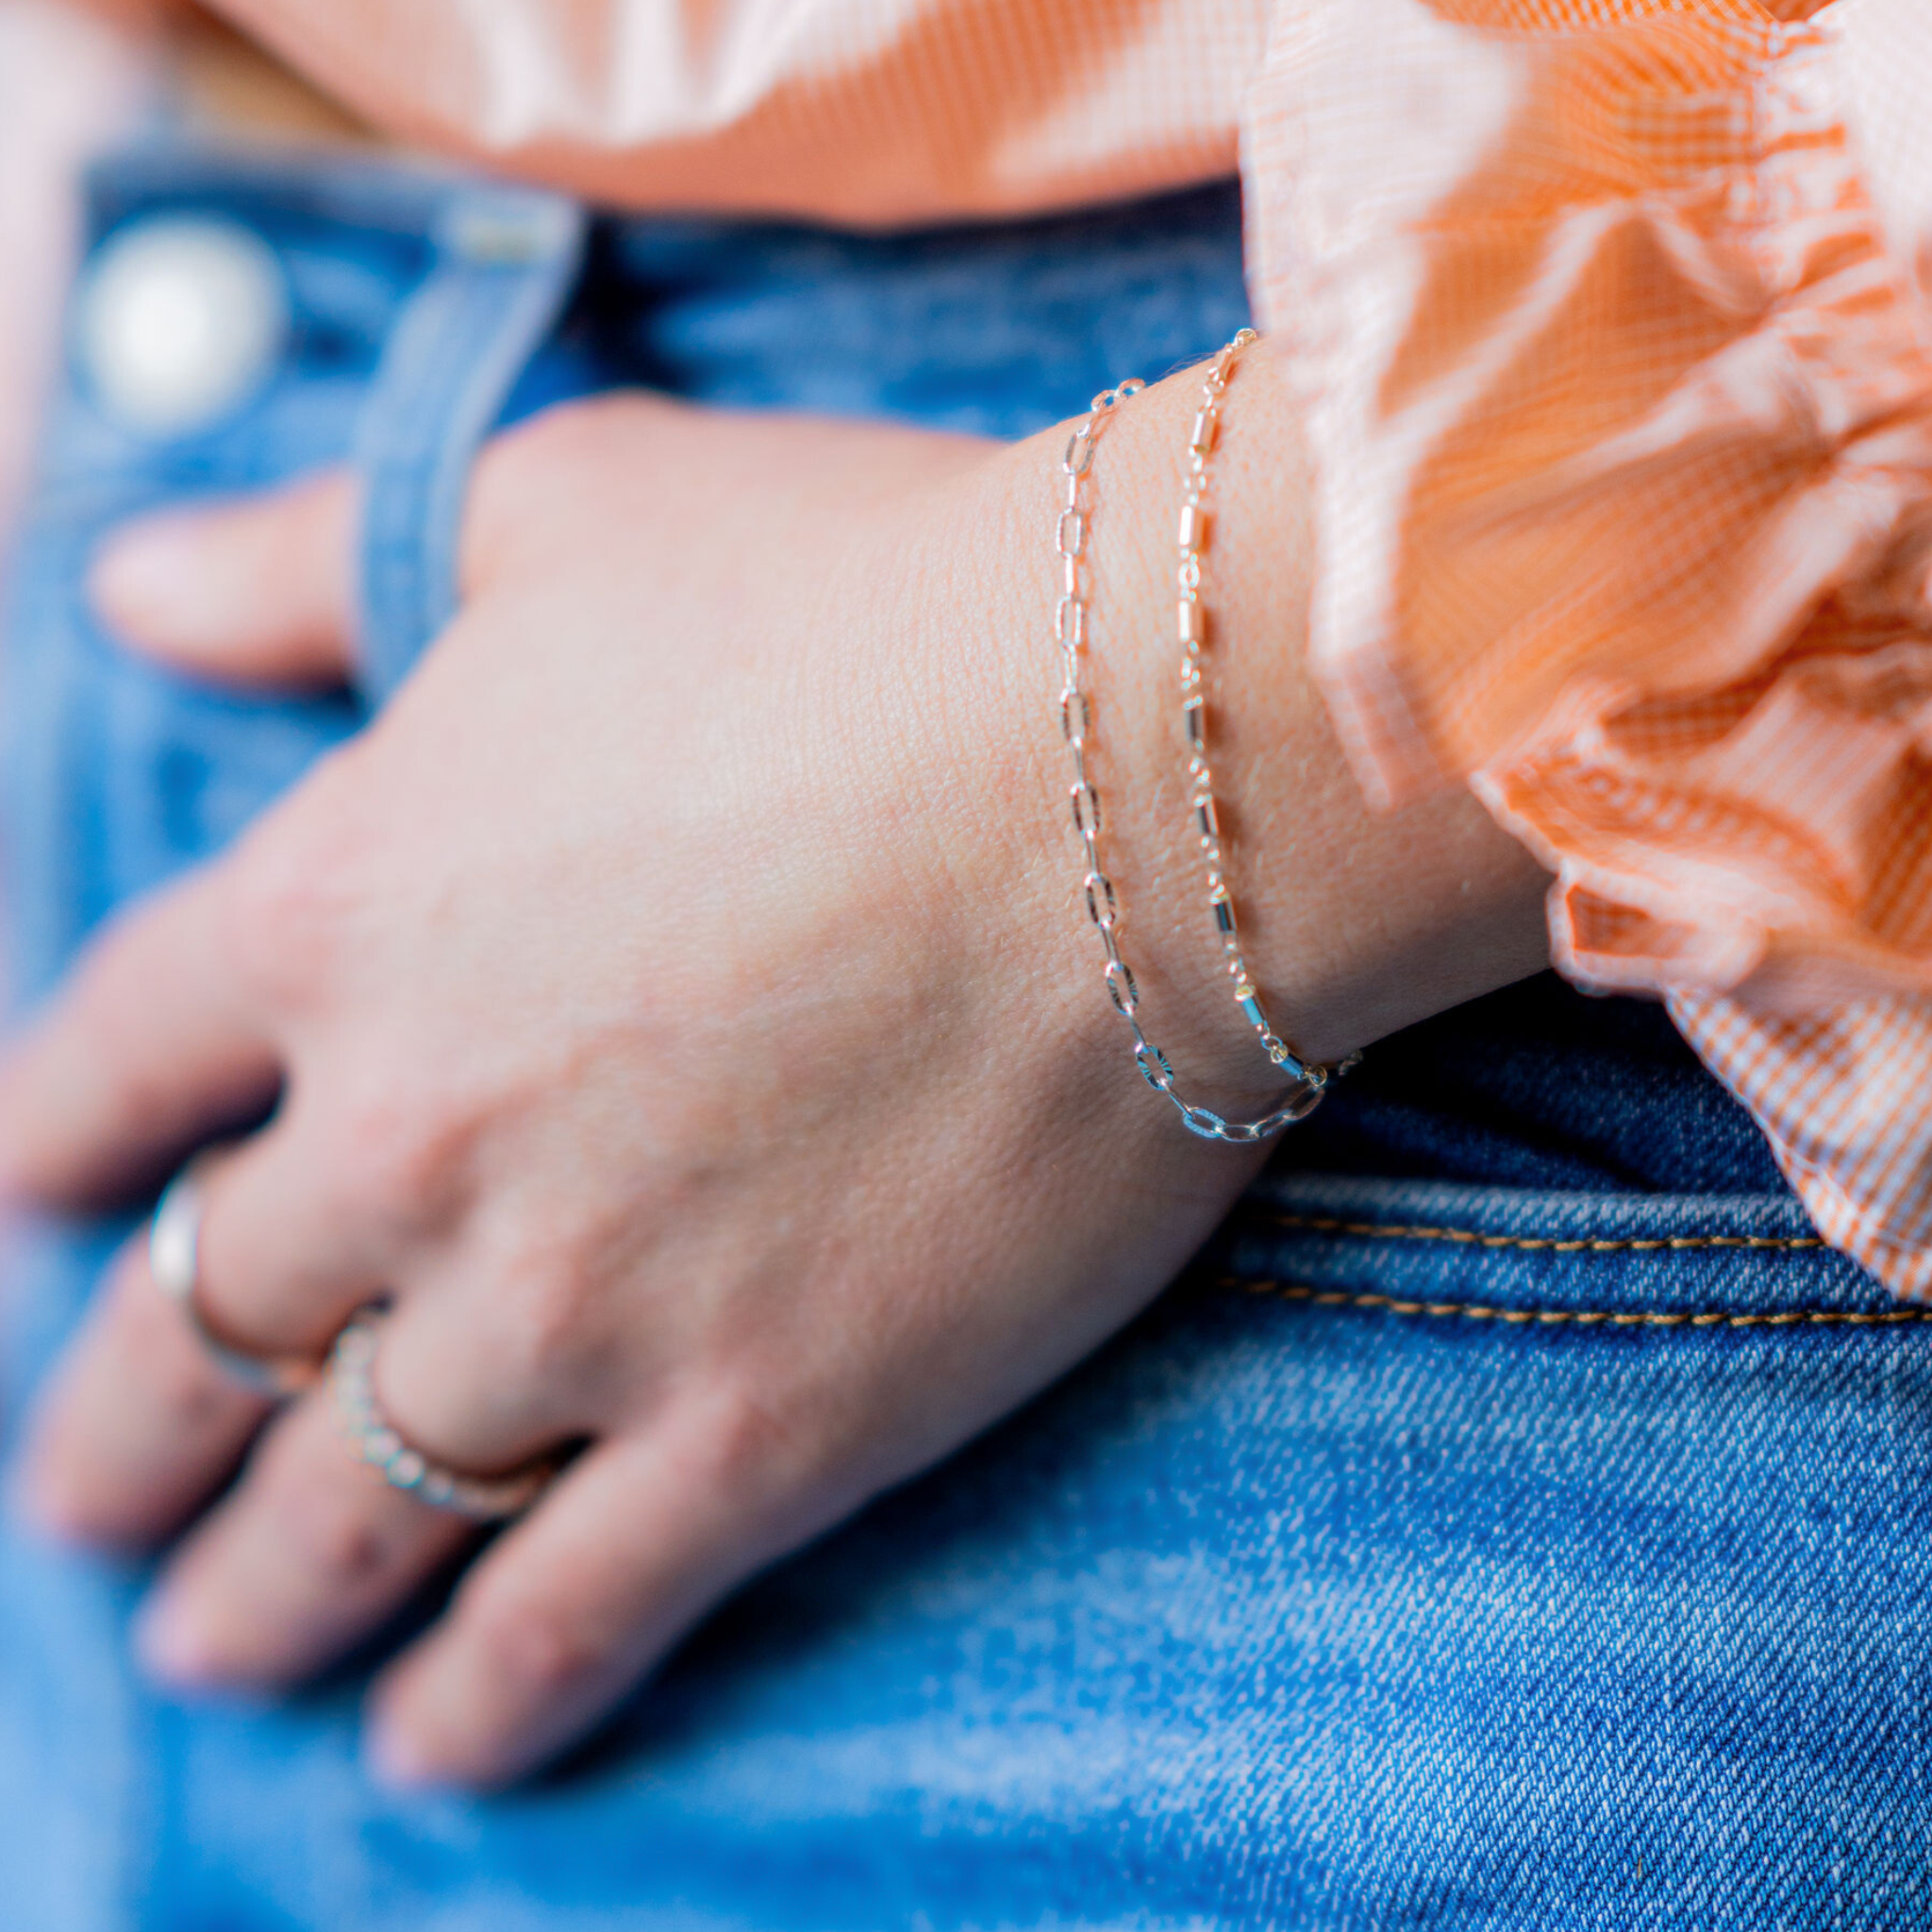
(400, 1157)
(752, 1442)
(554, 1324)
(287, 906)
(530, 481)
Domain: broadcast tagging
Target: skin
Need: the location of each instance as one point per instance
(680, 1002)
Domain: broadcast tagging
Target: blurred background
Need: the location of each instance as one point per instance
(75, 78)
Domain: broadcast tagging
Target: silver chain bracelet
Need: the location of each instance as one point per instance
(1071, 533)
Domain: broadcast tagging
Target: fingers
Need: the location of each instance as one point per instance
(139, 1424)
(150, 1046)
(259, 591)
(312, 1552)
(567, 1611)
(142, 1424)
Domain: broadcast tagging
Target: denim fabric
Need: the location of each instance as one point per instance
(1517, 1520)
(504, 264)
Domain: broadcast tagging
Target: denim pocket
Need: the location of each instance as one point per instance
(406, 303)
(1593, 1535)
(1549, 1258)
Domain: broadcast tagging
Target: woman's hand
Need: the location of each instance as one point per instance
(680, 1008)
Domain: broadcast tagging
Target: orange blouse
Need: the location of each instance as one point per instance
(1611, 318)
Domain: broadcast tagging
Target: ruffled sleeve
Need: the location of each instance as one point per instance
(1619, 379)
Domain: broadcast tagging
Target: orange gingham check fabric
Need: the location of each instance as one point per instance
(1618, 377)
(1621, 389)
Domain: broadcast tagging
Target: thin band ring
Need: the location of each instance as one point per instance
(377, 1441)
(174, 1259)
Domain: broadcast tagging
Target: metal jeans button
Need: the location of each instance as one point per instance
(181, 318)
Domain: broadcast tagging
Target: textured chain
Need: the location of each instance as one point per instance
(1071, 539)
(1192, 630)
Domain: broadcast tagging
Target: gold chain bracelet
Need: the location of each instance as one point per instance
(1192, 630)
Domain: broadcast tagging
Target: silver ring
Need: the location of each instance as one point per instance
(377, 1441)
(174, 1259)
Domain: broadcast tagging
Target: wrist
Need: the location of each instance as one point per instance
(1354, 924)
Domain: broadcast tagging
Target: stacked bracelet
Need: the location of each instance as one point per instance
(1072, 535)
(1191, 630)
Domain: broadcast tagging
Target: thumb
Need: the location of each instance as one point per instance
(259, 591)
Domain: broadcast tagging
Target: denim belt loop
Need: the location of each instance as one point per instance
(506, 262)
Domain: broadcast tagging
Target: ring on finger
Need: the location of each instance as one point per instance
(173, 1255)
(373, 1436)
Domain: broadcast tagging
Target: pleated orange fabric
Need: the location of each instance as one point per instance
(1611, 319)
(1620, 386)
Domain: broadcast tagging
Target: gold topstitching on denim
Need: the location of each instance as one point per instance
(1325, 1223)
(1582, 1318)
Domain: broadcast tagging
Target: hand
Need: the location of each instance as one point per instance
(678, 1006)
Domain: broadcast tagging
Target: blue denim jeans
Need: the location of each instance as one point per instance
(1517, 1519)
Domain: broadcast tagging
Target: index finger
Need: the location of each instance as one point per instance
(149, 1047)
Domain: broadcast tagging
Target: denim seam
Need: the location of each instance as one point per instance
(1321, 1223)
(1580, 1317)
